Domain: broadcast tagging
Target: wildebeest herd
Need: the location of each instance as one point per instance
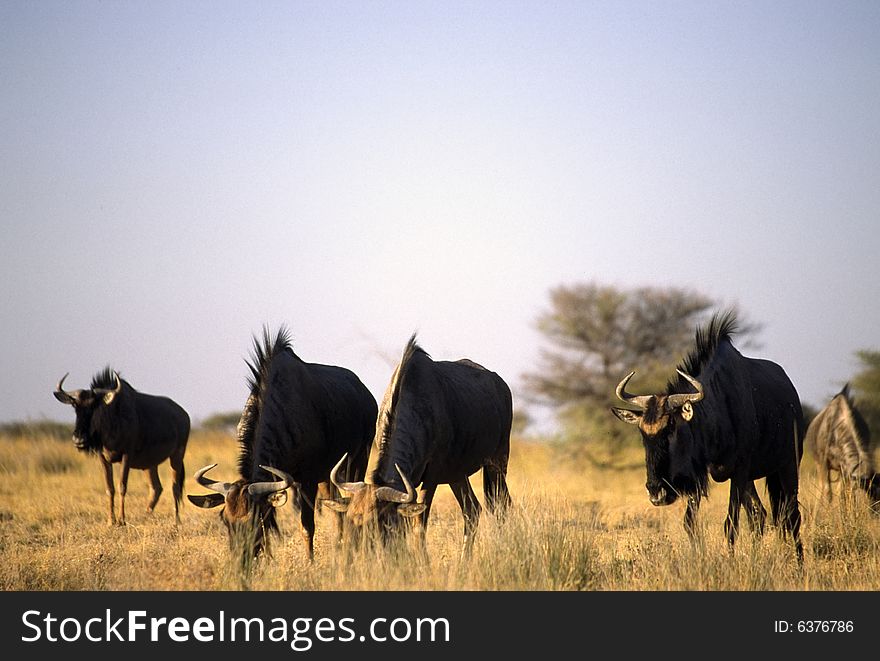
(309, 428)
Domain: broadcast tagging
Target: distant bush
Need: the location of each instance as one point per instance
(866, 384)
(37, 429)
(222, 422)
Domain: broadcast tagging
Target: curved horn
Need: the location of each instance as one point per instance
(213, 485)
(62, 395)
(346, 487)
(392, 495)
(261, 488)
(679, 400)
(641, 401)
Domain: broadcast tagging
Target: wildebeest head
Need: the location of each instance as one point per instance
(249, 508)
(95, 409)
(371, 509)
(672, 458)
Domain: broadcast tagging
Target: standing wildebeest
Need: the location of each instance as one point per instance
(840, 437)
(727, 416)
(122, 425)
(439, 423)
(298, 419)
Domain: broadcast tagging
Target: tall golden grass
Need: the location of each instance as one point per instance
(575, 526)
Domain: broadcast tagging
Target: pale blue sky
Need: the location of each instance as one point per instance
(175, 175)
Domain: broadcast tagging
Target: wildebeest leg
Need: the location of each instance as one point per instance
(155, 488)
(326, 491)
(690, 516)
(123, 487)
(871, 485)
(307, 494)
(426, 497)
(495, 486)
(111, 490)
(470, 509)
(177, 475)
(782, 488)
(755, 511)
(731, 524)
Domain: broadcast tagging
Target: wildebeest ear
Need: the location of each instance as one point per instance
(687, 411)
(63, 397)
(630, 417)
(278, 498)
(109, 397)
(208, 500)
(335, 505)
(410, 509)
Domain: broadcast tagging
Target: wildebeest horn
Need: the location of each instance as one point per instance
(640, 401)
(107, 391)
(392, 495)
(213, 485)
(348, 487)
(62, 395)
(677, 401)
(261, 488)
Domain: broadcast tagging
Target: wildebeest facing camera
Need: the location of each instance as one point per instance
(727, 416)
(122, 425)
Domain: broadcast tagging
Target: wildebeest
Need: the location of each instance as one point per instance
(298, 419)
(841, 440)
(439, 423)
(122, 425)
(728, 416)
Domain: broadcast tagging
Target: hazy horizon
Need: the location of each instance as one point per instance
(177, 175)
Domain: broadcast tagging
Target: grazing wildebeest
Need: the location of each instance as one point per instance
(728, 416)
(122, 425)
(439, 423)
(841, 440)
(298, 419)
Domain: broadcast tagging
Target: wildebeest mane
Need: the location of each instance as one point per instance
(106, 378)
(258, 363)
(854, 435)
(707, 340)
(722, 327)
(388, 412)
(859, 426)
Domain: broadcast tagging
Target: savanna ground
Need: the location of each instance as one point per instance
(576, 526)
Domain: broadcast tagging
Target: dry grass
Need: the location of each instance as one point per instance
(575, 527)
